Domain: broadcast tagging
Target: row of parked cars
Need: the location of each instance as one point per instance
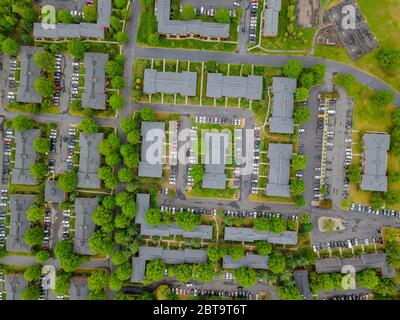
(11, 80)
(349, 243)
(361, 296)
(253, 20)
(1, 285)
(75, 78)
(218, 120)
(46, 229)
(57, 79)
(189, 291)
(367, 209)
(256, 160)
(66, 224)
(202, 211)
(71, 147)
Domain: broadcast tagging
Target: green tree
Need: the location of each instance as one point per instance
(236, 251)
(393, 254)
(63, 283)
(188, 12)
(276, 262)
(114, 283)
(163, 292)
(183, 272)
(35, 214)
(155, 270)
(297, 187)
(147, 114)
(301, 115)
(113, 68)
(389, 58)
(63, 252)
(154, 39)
(383, 98)
(42, 145)
(319, 72)
(44, 60)
(44, 87)
(101, 243)
(68, 182)
(97, 281)
(120, 4)
(215, 253)
(354, 174)
(262, 224)
(31, 292)
(112, 160)
(42, 256)
(277, 225)
(153, 216)
(64, 16)
(33, 273)
(302, 94)
(125, 175)
(392, 198)
(299, 201)
(377, 200)
(197, 173)
(118, 82)
(386, 287)
(121, 37)
(367, 279)
(76, 48)
(102, 216)
(396, 118)
(21, 123)
(120, 257)
(299, 162)
(187, 220)
(34, 236)
(222, 15)
(115, 23)
(90, 14)
(307, 79)
(89, 125)
(293, 69)
(245, 276)
(212, 66)
(109, 202)
(10, 47)
(289, 293)
(263, 248)
(134, 137)
(116, 101)
(127, 125)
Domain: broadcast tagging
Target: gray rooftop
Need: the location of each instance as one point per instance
(84, 225)
(219, 86)
(94, 95)
(76, 31)
(53, 193)
(29, 72)
(250, 260)
(19, 224)
(376, 147)
(302, 283)
(279, 156)
(15, 284)
(183, 83)
(283, 102)
(153, 138)
(25, 156)
(365, 261)
(78, 289)
(216, 145)
(167, 255)
(186, 28)
(271, 22)
(251, 235)
(166, 230)
(89, 160)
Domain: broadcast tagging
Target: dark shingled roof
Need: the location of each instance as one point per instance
(153, 138)
(78, 289)
(376, 147)
(167, 255)
(15, 284)
(89, 160)
(251, 235)
(186, 28)
(84, 226)
(302, 283)
(250, 260)
(279, 156)
(53, 193)
(183, 83)
(19, 224)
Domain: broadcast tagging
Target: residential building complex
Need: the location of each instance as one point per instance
(271, 18)
(89, 160)
(84, 226)
(183, 83)
(241, 234)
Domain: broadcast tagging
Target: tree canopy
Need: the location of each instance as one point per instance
(97, 281)
(76, 48)
(63, 283)
(101, 243)
(389, 58)
(188, 12)
(293, 69)
(89, 125)
(354, 174)
(187, 220)
(42, 145)
(21, 123)
(299, 162)
(277, 262)
(34, 236)
(263, 248)
(297, 187)
(68, 181)
(302, 94)
(236, 251)
(44, 60)
(155, 270)
(245, 276)
(197, 173)
(33, 273)
(222, 15)
(153, 216)
(301, 115)
(35, 214)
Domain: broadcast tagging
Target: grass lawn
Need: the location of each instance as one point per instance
(384, 23)
(365, 117)
(279, 42)
(211, 193)
(263, 198)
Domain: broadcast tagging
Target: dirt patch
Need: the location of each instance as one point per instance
(328, 225)
(307, 13)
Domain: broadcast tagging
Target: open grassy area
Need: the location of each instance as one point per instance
(211, 193)
(384, 23)
(365, 116)
(281, 42)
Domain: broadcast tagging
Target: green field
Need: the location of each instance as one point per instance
(384, 23)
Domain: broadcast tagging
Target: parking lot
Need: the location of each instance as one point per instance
(76, 5)
(11, 81)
